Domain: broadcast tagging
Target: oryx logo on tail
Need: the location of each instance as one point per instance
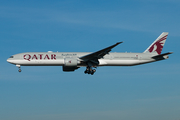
(158, 44)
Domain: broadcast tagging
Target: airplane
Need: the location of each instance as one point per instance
(70, 61)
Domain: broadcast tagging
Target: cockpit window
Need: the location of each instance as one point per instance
(11, 57)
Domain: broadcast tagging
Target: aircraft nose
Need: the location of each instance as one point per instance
(8, 60)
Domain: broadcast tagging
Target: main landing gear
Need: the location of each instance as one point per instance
(19, 66)
(89, 70)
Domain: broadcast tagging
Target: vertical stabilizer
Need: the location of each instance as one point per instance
(158, 44)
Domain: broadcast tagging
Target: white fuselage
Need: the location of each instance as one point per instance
(58, 59)
(73, 60)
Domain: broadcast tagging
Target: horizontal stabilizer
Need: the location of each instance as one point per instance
(161, 55)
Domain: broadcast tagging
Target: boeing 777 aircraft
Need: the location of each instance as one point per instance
(71, 61)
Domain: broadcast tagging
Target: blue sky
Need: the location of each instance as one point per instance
(149, 91)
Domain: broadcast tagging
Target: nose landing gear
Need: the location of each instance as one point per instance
(19, 66)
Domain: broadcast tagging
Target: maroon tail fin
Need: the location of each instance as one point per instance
(158, 44)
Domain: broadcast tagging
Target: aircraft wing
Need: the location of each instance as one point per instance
(99, 54)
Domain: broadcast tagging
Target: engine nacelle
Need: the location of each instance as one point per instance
(70, 62)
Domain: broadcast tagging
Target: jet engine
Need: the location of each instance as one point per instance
(70, 64)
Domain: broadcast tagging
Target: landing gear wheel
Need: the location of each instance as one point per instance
(93, 71)
(85, 71)
(19, 70)
(89, 70)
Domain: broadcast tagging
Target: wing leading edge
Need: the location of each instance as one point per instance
(99, 54)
